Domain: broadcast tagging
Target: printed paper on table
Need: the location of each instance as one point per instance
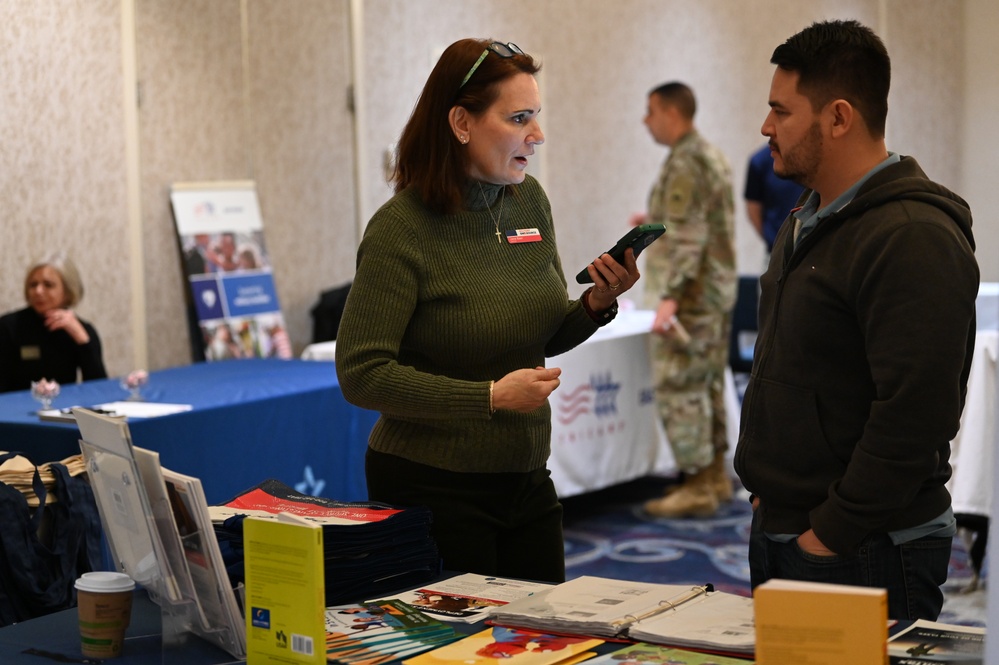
(469, 597)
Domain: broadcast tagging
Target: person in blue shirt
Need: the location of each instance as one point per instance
(769, 197)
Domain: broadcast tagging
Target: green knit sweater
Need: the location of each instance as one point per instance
(439, 307)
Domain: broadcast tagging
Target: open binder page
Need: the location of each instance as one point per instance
(587, 605)
(716, 621)
(674, 614)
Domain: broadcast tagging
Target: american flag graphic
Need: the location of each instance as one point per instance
(598, 397)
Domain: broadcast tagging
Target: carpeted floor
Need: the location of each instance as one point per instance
(607, 534)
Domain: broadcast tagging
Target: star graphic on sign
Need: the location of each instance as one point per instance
(310, 484)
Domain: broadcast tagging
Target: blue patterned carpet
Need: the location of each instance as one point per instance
(607, 534)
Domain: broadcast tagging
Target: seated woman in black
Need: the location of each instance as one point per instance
(46, 339)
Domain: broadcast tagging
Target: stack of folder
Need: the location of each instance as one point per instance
(369, 548)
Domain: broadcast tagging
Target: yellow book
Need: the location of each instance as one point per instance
(285, 593)
(820, 624)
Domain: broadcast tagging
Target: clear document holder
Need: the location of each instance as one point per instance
(141, 528)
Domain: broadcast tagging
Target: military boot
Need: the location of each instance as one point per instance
(695, 497)
(720, 478)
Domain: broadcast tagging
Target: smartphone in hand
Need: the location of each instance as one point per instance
(638, 238)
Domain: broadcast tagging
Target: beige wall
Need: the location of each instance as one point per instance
(978, 149)
(247, 90)
(191, 128)
(256, 89)
(62, 154)
(599, 161)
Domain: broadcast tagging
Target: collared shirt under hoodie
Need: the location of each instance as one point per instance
(808, 216)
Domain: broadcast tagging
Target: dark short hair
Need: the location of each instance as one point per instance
(840, 60)
(678, 95)
(429, 157)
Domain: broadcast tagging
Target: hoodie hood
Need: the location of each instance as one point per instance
(906, 181)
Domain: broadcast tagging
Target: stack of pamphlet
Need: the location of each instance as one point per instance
(378, 631)
(369, 548)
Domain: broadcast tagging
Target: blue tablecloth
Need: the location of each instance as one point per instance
(252, 419)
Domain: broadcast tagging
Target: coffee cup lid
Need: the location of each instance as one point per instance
(104, 582)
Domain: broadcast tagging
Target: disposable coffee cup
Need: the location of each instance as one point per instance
(104, 606)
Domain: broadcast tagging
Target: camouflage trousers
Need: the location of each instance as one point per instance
(689, 379)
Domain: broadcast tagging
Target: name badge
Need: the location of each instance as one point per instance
(523, 235)
(31, 353)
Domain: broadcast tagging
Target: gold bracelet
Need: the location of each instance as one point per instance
(491, 408)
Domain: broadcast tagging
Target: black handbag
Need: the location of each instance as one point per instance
(43, 550)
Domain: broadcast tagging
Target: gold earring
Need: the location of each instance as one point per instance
(463, 139)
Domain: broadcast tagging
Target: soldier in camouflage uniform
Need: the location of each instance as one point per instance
(690, 281)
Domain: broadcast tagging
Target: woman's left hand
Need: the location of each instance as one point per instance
(65, 319)
(611, 279)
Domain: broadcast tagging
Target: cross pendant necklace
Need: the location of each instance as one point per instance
(497, 218)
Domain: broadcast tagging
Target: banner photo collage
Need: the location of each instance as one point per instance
(229, 272)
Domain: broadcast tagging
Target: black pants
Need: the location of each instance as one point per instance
(504, 524)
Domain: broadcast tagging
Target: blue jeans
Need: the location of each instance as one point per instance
(912, 572)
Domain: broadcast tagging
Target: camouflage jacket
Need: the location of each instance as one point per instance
(694, 262)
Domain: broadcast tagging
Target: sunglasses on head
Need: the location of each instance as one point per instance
(507, 50)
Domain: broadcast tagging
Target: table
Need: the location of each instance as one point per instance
(57, 635)
(251, 420)
(605, 426)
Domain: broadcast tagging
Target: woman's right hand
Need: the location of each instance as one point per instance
(65, 319)
(525, 390)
